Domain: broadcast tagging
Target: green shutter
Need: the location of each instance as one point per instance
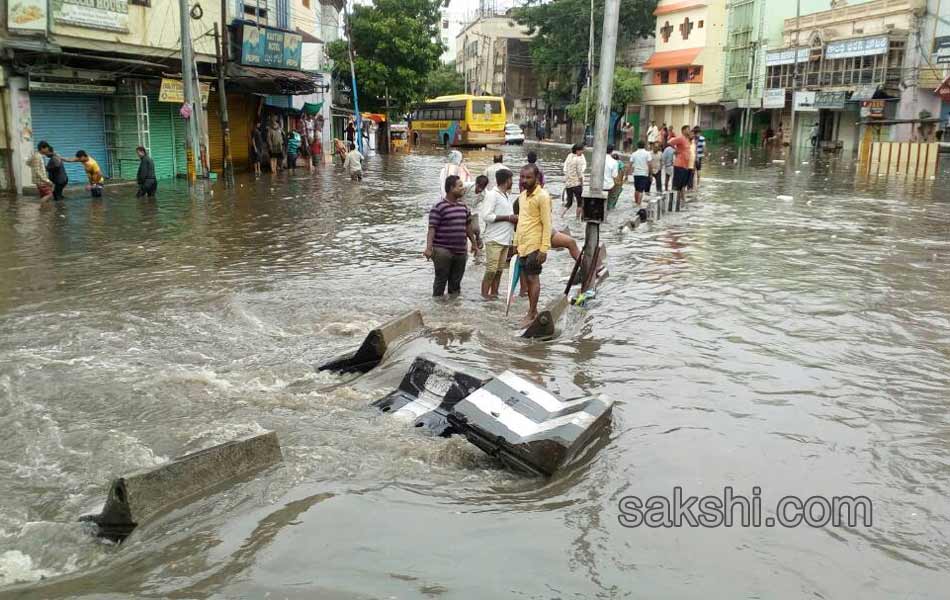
(163, 138)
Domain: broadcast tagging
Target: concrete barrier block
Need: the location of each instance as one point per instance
(528, 428)
(428, 392)
(544, 325)
(374, 347)
(142, 496)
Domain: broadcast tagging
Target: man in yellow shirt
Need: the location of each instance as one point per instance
(93, 172)
(533, 235)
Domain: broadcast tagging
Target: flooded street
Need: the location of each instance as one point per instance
(800, 346)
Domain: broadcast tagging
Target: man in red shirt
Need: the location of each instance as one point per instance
(682, 144)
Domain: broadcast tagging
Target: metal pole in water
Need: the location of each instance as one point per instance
(187, 60)
(358, 134)
(608, 55)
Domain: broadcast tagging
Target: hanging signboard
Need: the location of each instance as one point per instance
(860, 47)
(873, 109)
(774, 98)
(786, 57)
(71, 88)
(173, 90)
(27, 15)
(831, 100)
(942, 50)
(747, 103)
(804, 102)
(272, 48)
(111, 15)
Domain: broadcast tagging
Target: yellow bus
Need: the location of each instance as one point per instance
(460, 120)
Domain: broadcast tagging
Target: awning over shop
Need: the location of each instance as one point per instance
(378, 118)
(272, 81)
(672, 7)
(674, 58)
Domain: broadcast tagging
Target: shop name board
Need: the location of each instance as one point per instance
(27, 15)
(273, 48)
(861, 47)
(873, 109)
(71, 88)
(942, 50)
(774, 98)
(804, 101)
(831, 100)
(786, 57)
(173, 90)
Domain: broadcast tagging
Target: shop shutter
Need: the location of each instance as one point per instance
(242, 110)
(71, 122)
(167, 140)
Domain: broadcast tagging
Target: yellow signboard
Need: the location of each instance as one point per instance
(173, 90)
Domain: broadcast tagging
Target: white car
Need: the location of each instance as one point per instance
(513, 134)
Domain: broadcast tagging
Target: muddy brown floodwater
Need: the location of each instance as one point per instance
(800, 346)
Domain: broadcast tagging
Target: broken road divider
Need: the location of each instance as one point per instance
(373, 349)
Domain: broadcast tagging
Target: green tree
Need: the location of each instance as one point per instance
(443, 81)
(559, 48)
(628, 89)
(394, 48)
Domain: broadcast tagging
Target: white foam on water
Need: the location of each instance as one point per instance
(16, 567)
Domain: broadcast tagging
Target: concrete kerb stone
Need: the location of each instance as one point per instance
(374, 347)
(142, 496)
(545, 324)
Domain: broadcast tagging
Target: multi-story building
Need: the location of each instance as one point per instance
(493, 55)
(103, 79)
(684, 80)
(849, 64)
(449, 26)
(754, 27)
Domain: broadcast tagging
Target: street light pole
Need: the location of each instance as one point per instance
(792, 137)
(188, 84)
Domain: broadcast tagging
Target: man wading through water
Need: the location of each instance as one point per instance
(450, 230)
(533, 235)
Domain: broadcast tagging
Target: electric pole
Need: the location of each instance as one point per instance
(792, 138)
(358, 119)
(605, 78)
(188, 83)
(590, 67)
(223, 106)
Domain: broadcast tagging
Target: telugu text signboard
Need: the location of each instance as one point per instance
(942, 50)
(786, 57)
(272, 48)
(774, 98)
(173, 90)
(27, 15)
(873, 109)
(859, 47)
(111, 15)
(831, 100)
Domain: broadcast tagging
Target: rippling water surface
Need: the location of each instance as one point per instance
(802, 346)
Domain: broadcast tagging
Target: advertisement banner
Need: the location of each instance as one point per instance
(873, 109)
(860, 47)
(942, 50)
(26, 15)
(831, 100)
(786, 57)
(111, 15)
(173, 90)
(774, 98)
(273, 48)
(804, 102)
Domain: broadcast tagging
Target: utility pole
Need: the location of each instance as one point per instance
(590, 66)
(358, 134)
(793, 138)
(748, 105)
(188, 83)
(223, 103)
(605, 79)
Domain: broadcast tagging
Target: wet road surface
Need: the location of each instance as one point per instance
(801, 346)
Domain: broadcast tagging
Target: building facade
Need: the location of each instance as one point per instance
(849, 66)
(105, 79)
(684, 74)
(493, 55)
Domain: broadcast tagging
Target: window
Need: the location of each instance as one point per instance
(251, 9)
(445, 23)
(682, 75)
(685, 28)
(666, 31)
(486, 107)
(664, 76)
(700, 26)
